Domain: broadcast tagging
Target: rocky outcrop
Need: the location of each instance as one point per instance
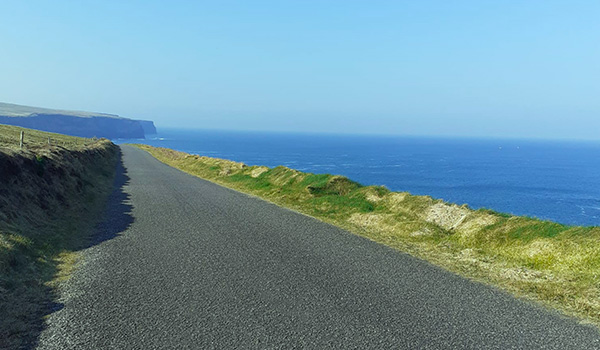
(148, 126)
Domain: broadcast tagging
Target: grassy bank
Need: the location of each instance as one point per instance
(50, 195)
(555, 264)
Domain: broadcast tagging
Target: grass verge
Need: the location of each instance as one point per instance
(50, 197)
(557, 265)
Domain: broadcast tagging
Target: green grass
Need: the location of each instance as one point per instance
(556, 265)
(38, 140)
(50, 198)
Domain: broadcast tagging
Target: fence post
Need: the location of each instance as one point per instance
(21, 141)
(49, 141)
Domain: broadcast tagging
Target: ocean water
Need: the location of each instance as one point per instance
(555, 180)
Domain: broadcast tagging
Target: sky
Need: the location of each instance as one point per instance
(438, 68)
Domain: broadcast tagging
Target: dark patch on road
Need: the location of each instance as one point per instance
(117, 216)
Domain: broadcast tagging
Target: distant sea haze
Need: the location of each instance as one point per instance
(554, 180)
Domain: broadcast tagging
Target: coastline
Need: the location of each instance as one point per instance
(527, 178)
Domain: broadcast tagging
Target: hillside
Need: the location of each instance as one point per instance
(50, 198)
(74, 123)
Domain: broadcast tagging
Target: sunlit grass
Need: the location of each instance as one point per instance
(36, 140)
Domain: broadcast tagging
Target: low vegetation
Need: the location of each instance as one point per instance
(50, 195)
(555, 264)
(40, 141)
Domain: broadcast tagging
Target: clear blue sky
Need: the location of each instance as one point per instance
(475, 68)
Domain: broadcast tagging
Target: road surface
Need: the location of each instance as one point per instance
(182, 263)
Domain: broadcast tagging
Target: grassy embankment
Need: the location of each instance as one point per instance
(49, 197)
(556, 264)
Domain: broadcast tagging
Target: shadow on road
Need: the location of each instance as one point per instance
(117, 215)
(115, 220)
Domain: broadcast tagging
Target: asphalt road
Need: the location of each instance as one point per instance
(181, 263)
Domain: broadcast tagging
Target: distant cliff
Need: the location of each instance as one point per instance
(84, 124)
(148, 126)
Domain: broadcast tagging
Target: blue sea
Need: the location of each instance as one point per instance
(555, 180)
